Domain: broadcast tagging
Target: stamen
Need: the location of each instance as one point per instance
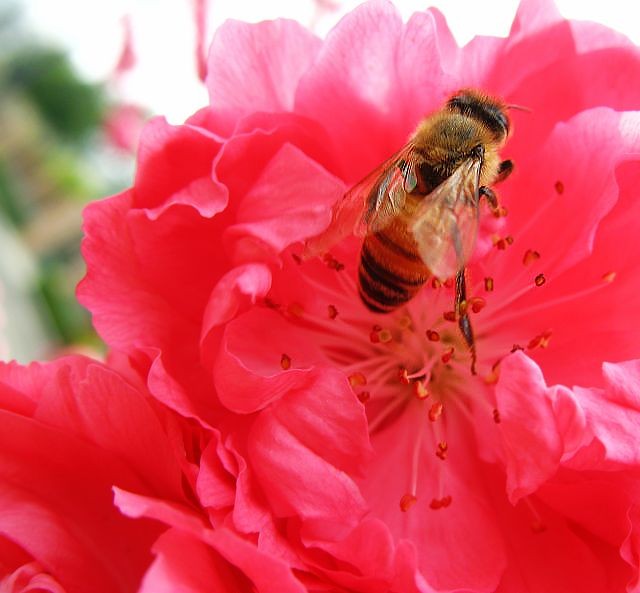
(440, 503)
(500, 212)
(364, 396)
(435, 411)
(420, 390)
(537, 525)
(407, 501)
(540, 341)
(449, 316)
(333, 263)
(332, 311)
(540, 280)
(357, 380)
(496, 416)
(559, 187)
(447, 355)
(433, 335)
(285, 362)
(435, 283)
(530, 256)
(403, 376)
(609, 277)
(295, 309)
(477, 304)
(441, 451)
(488, 284)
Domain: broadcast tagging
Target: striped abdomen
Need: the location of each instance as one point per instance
(391, 270)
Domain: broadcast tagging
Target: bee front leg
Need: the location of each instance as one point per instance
(464, 322)
(489, 195)
(504, 170)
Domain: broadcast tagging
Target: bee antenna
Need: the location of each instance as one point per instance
(520, 108)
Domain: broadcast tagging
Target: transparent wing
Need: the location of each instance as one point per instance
(446, 222)
(372, 202)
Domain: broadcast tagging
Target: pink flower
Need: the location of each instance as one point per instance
(328, 449)
(73, 432)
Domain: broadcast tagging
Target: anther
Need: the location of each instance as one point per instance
(462, 307)
(508, 240)
(496, 416)
(477, 304)
(449, 316)
(559, 187)
(379, 335)
(433, 335)
(537, 526)
(420, 390)
(488, 284)
(540, 280)
(435, 411)
(540, 341)
(333, 263)
(440, 503)
(268, 302)
(333, 312)
(364, 396)
(403, 376)
(500, 212)
(441, 451)
(609, 277)
(407, 501)
(435, 283)
(447, 355)
(404, 322)
(285, 362)
(295, 309)
(530, 256)
(357, 380)
(494, 375)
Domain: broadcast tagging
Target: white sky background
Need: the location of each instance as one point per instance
(164, 79)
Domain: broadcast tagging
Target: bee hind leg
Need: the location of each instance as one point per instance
(464, 322)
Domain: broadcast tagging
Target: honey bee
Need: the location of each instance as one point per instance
(419, 211)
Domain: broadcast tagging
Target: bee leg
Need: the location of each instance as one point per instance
(504, 170)
(489, 195)
(464, 323)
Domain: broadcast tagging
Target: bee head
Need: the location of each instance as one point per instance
(484, 109)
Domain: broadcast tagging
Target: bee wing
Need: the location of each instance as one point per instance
(446, 222)
(372, 202)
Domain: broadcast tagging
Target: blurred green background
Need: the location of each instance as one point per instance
(56, 154)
